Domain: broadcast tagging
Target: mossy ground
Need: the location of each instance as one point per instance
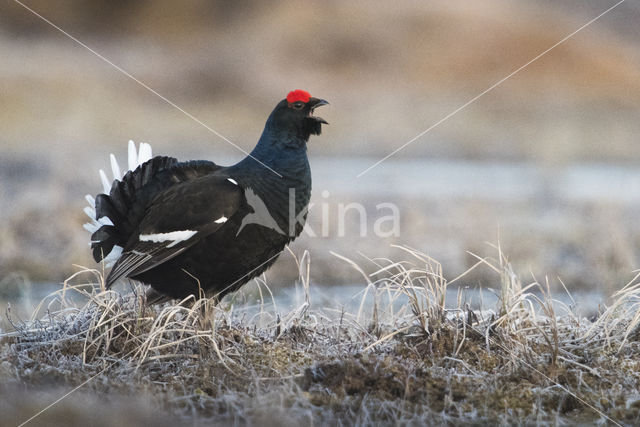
(419, 363)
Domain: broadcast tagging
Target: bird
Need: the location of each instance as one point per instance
(197, 228)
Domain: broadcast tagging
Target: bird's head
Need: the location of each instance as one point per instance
(293, 116)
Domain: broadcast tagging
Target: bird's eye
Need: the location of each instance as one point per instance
(298, 105)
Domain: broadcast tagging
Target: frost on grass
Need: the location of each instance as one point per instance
(406, 357)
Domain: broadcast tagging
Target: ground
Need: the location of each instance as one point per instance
(414, 362)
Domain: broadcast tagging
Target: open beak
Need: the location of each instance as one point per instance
(315, 103)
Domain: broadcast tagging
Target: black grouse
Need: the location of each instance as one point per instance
(194, 228)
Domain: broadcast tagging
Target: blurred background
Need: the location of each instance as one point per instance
(545, 164)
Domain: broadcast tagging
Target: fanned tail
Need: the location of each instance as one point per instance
(111, 213)
(116, 213)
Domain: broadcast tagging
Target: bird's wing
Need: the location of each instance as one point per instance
(176, 220)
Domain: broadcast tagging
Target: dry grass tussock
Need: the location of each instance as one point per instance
(405, 357)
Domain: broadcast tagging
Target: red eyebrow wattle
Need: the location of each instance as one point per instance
(298, 95)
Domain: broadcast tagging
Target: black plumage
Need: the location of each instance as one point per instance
(196, 227)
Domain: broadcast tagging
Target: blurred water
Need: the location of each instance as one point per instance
(419, 178)
(349, 298)
(447, 207)
(511, 181)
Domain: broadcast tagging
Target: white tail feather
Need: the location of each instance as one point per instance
(105, 182)
(113, 256)
(135, 159)
(115, 168)
(105, 220)
(91, 228)
(91, 212)
(133, 156)
(144, 154)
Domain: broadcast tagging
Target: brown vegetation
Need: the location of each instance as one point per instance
(525, 361)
